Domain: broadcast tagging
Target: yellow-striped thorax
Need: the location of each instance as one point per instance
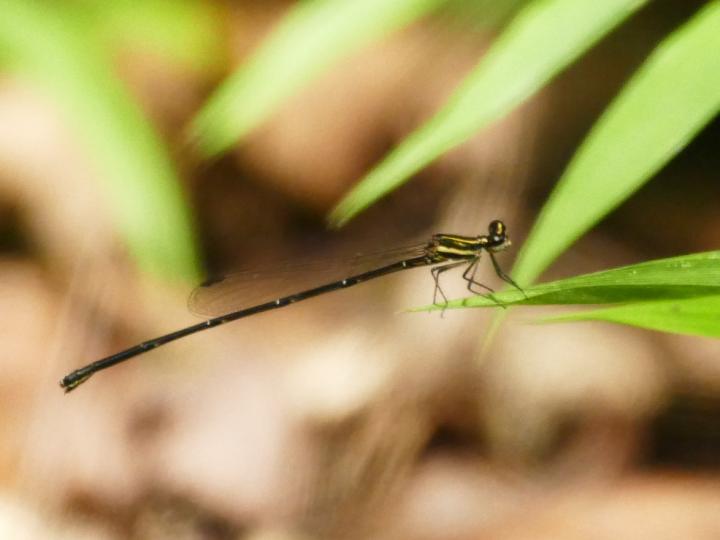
(454, 246)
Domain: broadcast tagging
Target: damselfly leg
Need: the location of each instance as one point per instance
(502, 275)
(469, 277)
(435, 272)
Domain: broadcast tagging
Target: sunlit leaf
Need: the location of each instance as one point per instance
(678, 277)
(543, 39)
(312, 36)
(672, 96)
(694, 316)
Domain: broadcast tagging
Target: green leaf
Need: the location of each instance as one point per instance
(671, 97)
(185, 31)
(309, 39)
(544, 38)
(58, 53)
(694, 316)
(678, 277)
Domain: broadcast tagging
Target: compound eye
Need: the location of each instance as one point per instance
(496, 228)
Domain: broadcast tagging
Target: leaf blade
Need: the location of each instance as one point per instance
(310, 38)
(685, 276)
(672, 96)
(493, 88)
(692, 316)
(58, 53)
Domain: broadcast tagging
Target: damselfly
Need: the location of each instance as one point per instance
(443, 252)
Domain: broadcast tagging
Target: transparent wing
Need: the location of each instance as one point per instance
(256, 286)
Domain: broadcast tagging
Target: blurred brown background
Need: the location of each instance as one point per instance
(343, 417)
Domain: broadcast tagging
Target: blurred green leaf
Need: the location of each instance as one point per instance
(694, 316)
(677, 277)
(671, 97)
(39, 41)
(312, 36)
(186, 31)
(544, 38)
(480, 14)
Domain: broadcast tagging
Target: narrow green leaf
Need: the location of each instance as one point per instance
(310, 38)
(186, 31)
(673, 95)
(544, 38)
(677, 277)
(40, 42)
(694, 316)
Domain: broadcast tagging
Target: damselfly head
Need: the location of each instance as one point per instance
(497, 237)
(496, 228)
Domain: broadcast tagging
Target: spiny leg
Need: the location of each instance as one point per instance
(435, 272)
(469, 277)
(502, 275)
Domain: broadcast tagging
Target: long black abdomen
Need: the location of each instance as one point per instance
(77, 377)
